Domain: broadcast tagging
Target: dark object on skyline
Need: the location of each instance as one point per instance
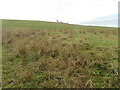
(57, 21)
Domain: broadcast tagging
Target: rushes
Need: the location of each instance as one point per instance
(51, 58)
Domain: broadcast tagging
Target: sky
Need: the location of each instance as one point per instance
(108, 21)
(83, 12)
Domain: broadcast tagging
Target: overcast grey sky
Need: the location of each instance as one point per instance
(72, 11)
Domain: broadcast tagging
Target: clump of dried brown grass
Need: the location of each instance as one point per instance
(60, 63)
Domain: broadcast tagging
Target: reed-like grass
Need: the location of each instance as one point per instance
(62, 56)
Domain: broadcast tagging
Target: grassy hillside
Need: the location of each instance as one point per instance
(46, 54)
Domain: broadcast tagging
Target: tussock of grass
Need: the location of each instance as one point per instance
(62, 58)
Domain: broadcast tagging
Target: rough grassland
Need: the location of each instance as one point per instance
(47, 55)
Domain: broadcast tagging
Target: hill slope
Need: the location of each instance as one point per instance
(46, 54)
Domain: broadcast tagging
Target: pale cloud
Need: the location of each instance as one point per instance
(72, 11)
(110, 21)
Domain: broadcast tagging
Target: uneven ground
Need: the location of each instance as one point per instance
(45, 54)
